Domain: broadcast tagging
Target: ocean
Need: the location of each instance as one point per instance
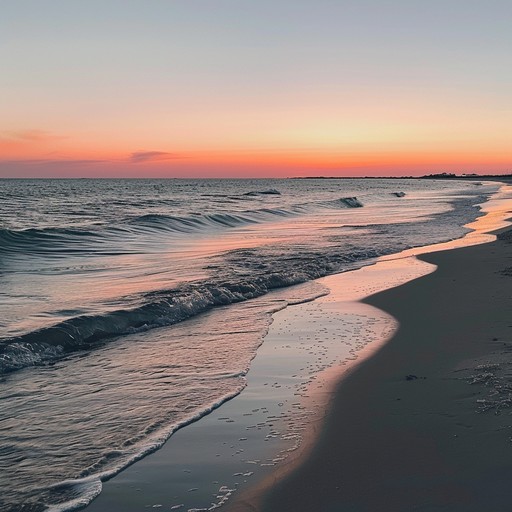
(102, 358)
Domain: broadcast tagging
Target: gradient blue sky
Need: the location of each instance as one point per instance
(250, 88)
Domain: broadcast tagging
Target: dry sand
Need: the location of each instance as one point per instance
(423, 424)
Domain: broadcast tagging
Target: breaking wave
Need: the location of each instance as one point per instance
(166, 307)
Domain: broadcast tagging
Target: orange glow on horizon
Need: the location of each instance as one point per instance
(32, 152)
(265, 164)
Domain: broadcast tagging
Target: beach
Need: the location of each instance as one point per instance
(403, 409)
(273, 422)
(423, 423)
(209, 382)
(161, 296)
(247, 256)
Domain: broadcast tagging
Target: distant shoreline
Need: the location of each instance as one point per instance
(477, 177)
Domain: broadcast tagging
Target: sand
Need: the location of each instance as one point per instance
(424, 423)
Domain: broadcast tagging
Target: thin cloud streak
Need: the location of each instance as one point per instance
(138, 157)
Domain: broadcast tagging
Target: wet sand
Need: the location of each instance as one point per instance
(424, 423)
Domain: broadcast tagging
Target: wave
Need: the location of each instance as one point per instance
(251, 193)
(343, 202)
(168, 307)
(114, 239)
(207, 221)
(196, 222)
(269, 192)
(351, 202)
(54, 241)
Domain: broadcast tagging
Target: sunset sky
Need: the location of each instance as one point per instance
(154, 88)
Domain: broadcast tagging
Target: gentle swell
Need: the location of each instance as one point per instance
(51, 241)
(196, 223)
(207, 221)
(113, 239)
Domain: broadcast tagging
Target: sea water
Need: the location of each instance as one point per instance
(101, 280)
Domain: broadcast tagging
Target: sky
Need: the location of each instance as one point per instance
(239, 88)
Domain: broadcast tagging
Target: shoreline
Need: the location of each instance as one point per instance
(485, 228)
(414, 436)
(251, 435)
(124, 488)
(415, 426)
